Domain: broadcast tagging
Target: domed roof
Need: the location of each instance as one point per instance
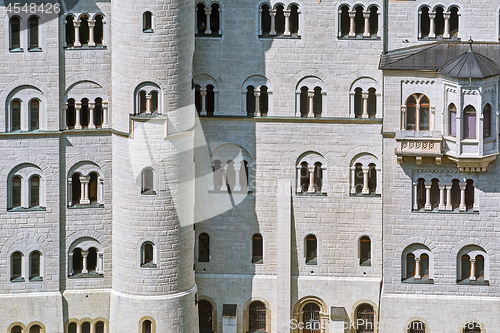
(470, 65)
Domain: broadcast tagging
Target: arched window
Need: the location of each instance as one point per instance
(372, 177)
(230, 176)
(417, 264)
(98, 116)
(147, 186)
(34, 114)
(416, 327)
(35, 265)
(147, 22)
(244, 176)
(154, 101)
(439, 21)
(358, 103)
(479, 267)
(294, 19)
(70, 31)
(72, 328)
(280, 20)
(16, 329)
(76, 193)
(203, 248)
(359, 21)
(257, 249)
(215, 19)
(411, 108)
(454, 22)
(147, 255)
(99, 327)
(304, 177)
(311, 250)
(344, 21)
(372, 102)
(421, 193)
(15, 34)
(410, 265)
(70, 114)
(452, 128)
(250, 100)
(92, 261)
(469, 122)
(205, 318)
(424, 114)
(263, 100)
(424, 265)
(217, 176)
(373, 20)
(465, 267)
(197, 98)
(35, 329)
(201, 19)
(86, 327)
(99, 30)
(487, 121)
(210, 102)
(257, 317)
(469, 194)
(472, 263)
(424, 22)
(16, 268)
(434, 193)
(77, 261)
(16, 192)
(93, 179)
(365, 319)
(472, 327)
(147, 326)
(311, 315)
(365, 251)
(265, 20)
(84, 113)
(84, 30)
(304, 105)
(358, 180)
(455, 193)
(16, 115)
(317, 102)
(142, 101)
(318, 177)
(33, 33)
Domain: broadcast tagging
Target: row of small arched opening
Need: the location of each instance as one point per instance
(84, 30)
(33, 33)
(279, 20)
(35, 271)
(356, 28)
(33, 114)
(435, 198)
(17, 189)
(85, 118)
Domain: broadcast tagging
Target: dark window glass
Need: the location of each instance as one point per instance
(424, 22)
(214, 19)
(84, 30)
(365, 319)
(372, 177)
(265, 20)
(304, 177)
(410, 265)
(487, 121)
(15, 33)
(16, 329)
(264, 100)
(453, 119)
(317, 102)
(280, 20)
(70, 31)
(86, 327)
(34, 264)
(35, 329)
(146, 326)
(75, 189)
(358, 103)
(311, 250)
(434, 193)
(318, 177)
(33, 33)
(148, 253)
(16, 115)
(98, 30)
(16, 192)
(93, 187)
(479, 268)
(99, 327)
(257, 317)
(210, 100)
(34, 191)
(98, 116)
(421, 193)
(304, 104)
(147, 18)
(34, 114)
(373, 20)
(372, 103)
(77, 261)
(424, 265)
(469, 122)
(411, 107)
(294, 19)
(72, 328)
(250, 100)
(465, 267)
(424, 114)
(203, 248)
(311, 315)
(365, 251)
(358, 177)
(17, 258)
(205, 316)
(70, 114)
(257, 249)
(92, 260)
(469, 194)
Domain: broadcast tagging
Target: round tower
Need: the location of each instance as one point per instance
(153, 168)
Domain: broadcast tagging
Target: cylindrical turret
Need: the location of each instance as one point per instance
(153, 169)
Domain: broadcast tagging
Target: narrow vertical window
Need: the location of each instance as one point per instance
(469, 123)
(372, 177)
(154, 101)
(93, 187)
(257, 317)
(318, 177)
(147, 181)
(230, 175)
(217, 176)
(92, 261)
(358, 103)
(76, 193)
(373, 20)
(359, 21)
(265, 20)
(434, 193)
(146, 326)
(16, 329)
(358, 177)
(16, 115)
(294, 19)
(424, 265)
(421, 193)
(452, 110)
(147, 19)
(84, 113)
(15, 34)
(311, 250)
(33, 33)
(86, 327)
(487, 121)
(215, 19)
(35, 329)
(365, 251)
(197, 98)
(98, 116)
(372, 102)
(70, 114)
(311, 315)
(410, 265)
(424, 22)
(210, 100)
(201, 19)
(264, 100)
(455, 193)
(304, 105)
(257, 249)
(304, 177)
(99, 30)
(439, 21)
(250, 100)
(34, 114)
(142, 101)
(34, 191)
(469, 194)
(479, 268)
(424, 114)
(72, 328)
(70, 31)
(344, 21)
(454, 22)
(203, 248)
(16, 262)
(205, 317)
(35, 265)
(317, 102)
(147, 255)
(465, 267)
(84, 30)
(280, 20)
(244, 175)
(365, 319)
(411, 108)
(16, 192)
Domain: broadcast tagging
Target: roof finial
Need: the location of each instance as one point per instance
(470, 43)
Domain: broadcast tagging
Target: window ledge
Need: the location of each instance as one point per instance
(86, 47)
(437, 211)
(86, 276)
(280, 36)
(31, 209)
(91, 205)
(229, 192)
(36, 279)
(360, 195)
(35, 49)
(366, 263)
(258, 261)
(360, 37)
(16, 50)
(307, 194)
(148, 192)
(439, 38)
(208, 36)
(312, 262)
(19, 279)
(149, 265)
(148, 31)
(478, 282)
(423, 280)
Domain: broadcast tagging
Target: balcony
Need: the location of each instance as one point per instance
(419, 144)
